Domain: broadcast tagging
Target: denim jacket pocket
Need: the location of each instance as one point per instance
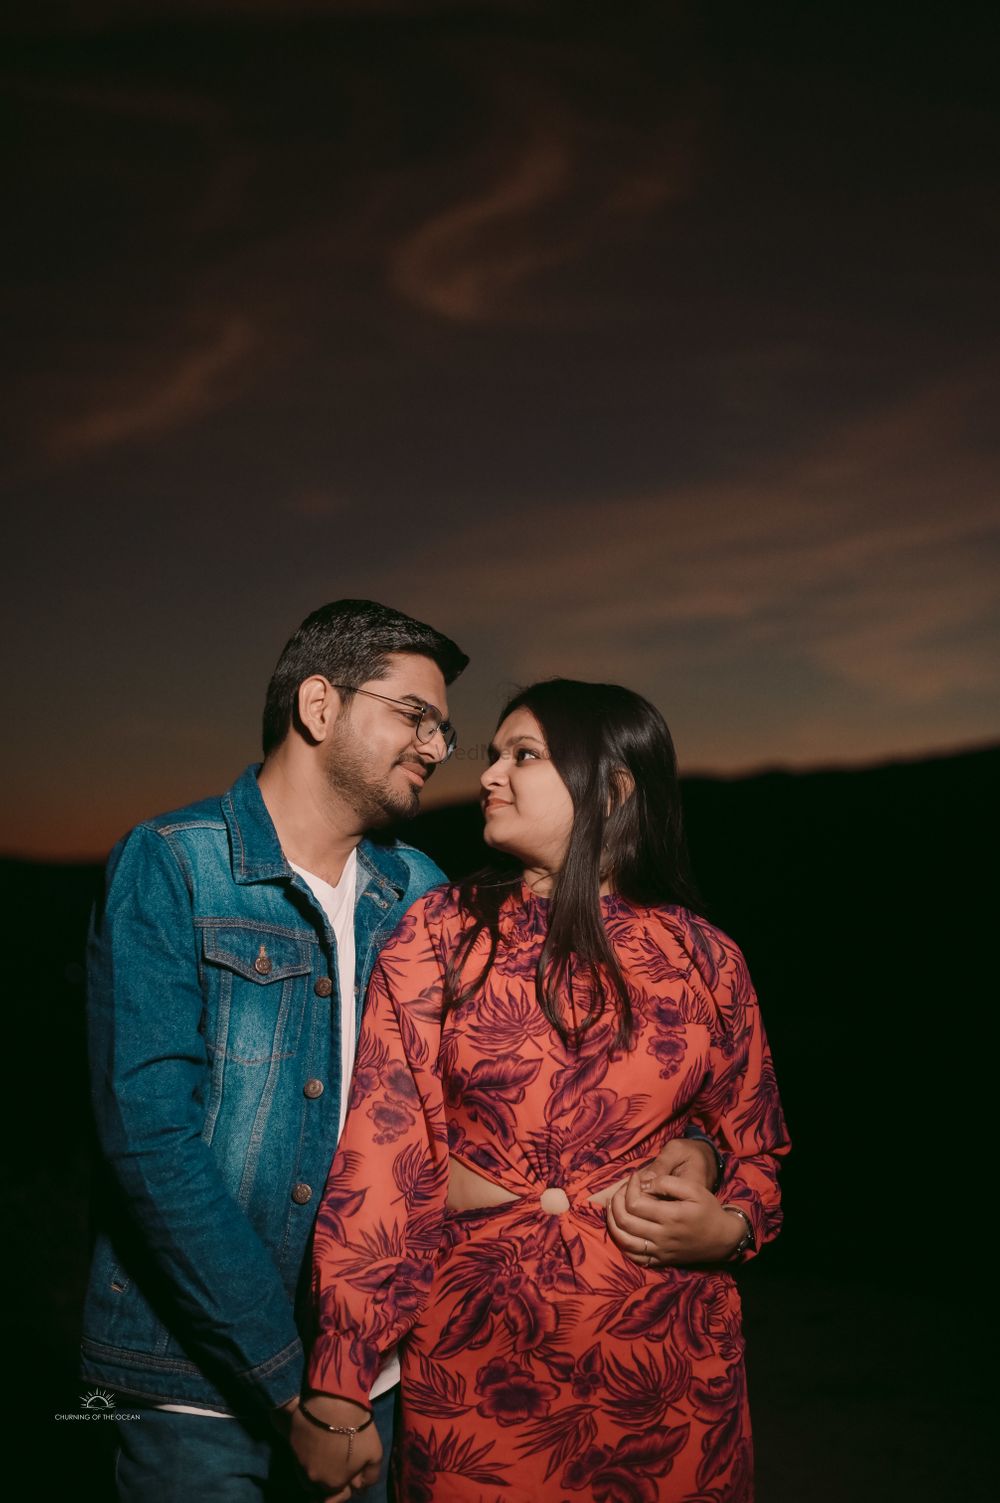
(256, 987)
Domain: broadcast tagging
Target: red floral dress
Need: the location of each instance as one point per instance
(539, 1362)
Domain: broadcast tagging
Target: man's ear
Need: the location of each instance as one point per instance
(318, 706)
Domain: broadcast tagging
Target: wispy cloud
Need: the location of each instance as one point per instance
(568, 190)
(867, 567)
(316, 503)
(196, 382)
(460, 262)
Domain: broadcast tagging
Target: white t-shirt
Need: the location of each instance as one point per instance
(338, 905)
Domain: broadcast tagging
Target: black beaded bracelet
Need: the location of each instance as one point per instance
(349, 1430)
(334, 1429)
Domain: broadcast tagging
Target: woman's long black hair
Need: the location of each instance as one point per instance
(615, 755)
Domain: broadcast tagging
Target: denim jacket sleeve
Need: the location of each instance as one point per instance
(149, 1072)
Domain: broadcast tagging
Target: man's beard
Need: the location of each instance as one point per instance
(373, 799)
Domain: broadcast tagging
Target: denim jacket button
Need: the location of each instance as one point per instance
(312, 1089)
(262, 965)
(323, 987)
(302, 1194)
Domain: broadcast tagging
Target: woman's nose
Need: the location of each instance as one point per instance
(494, 775)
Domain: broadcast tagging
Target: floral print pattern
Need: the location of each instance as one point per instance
(538, 1362)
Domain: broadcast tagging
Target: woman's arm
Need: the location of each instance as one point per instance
(740, 1108)
(379, 1224)
(660, 1219)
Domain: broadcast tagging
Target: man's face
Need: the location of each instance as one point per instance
(374, 759)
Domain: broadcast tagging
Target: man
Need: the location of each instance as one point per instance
(227, 967)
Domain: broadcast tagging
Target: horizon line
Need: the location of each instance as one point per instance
(759, 770)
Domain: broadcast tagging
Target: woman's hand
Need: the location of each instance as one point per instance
(335, 1468)
(662, 1219)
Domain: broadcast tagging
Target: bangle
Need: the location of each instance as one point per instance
(349, 1430)
(748, 1239)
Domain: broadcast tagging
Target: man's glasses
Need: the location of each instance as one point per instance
(426, 718)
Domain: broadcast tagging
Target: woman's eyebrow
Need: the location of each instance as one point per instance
(492, 749)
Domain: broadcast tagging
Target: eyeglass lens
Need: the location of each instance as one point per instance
(429, 726)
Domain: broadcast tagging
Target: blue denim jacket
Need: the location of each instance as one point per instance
(214, 1034)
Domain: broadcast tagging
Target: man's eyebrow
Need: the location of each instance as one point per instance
(418, 703)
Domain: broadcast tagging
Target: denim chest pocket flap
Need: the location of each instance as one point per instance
(256, 954)
(256, 991)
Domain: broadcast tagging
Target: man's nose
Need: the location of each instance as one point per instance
(435, 749)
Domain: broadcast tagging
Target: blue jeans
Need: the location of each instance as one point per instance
(181, 1458)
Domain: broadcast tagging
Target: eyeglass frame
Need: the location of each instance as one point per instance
(450, 735)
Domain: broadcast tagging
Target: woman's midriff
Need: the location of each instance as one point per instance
(469, 1191)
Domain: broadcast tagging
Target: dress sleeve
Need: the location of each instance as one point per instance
(739, 1106)
(380, 1221)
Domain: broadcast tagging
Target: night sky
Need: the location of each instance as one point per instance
(647, 342)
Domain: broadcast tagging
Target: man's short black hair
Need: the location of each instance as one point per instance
(348, 642)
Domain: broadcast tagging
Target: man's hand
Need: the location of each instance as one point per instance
(687, 1158)
(679, 1222)
(324, 1457)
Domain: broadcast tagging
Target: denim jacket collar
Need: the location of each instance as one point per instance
(256, 853)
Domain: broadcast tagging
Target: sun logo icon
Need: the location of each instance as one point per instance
(98, 1399)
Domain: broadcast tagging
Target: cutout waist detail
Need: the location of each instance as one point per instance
(471, 1191)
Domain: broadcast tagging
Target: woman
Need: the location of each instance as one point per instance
(531, 1040)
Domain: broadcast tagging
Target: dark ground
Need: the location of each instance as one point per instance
(862, 902)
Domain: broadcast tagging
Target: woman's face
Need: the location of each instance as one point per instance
(526, 805)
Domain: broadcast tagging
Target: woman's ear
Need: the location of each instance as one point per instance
(622, 788)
